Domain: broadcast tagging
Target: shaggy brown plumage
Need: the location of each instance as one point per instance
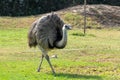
(46, 31)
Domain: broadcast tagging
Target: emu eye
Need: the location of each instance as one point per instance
(68, 27)
(65, 26)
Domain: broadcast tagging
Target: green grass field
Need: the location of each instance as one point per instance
(95, 56)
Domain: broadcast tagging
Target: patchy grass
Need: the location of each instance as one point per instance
(16, 22)
(85, 57)
(91, 57)
(77, 20)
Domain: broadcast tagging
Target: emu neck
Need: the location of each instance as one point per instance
(63, 41)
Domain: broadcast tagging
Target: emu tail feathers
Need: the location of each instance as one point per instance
(31, 38)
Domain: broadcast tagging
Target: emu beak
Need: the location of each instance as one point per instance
(70, 27)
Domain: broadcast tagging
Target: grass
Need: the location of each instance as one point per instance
(91, 57)
(77, 20)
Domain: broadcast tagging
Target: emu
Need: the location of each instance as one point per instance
(47, 33)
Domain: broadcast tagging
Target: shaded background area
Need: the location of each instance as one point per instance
(33, 7)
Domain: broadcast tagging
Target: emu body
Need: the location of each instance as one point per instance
(47, 33)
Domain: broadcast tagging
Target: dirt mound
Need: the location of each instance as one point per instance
(104, 14)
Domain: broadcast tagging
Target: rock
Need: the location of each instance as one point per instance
(54, 56)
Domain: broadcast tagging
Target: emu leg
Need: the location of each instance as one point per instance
(48, 60)
(40, 63)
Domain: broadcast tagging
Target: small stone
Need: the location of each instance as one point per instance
(54, 56)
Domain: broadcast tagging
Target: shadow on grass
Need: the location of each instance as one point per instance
(77, 76)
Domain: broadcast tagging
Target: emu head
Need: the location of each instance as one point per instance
(67, 26)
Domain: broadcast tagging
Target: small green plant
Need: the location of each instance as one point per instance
(82, 34)
(78, 34)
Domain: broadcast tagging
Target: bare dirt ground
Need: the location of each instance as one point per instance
(104, 14)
